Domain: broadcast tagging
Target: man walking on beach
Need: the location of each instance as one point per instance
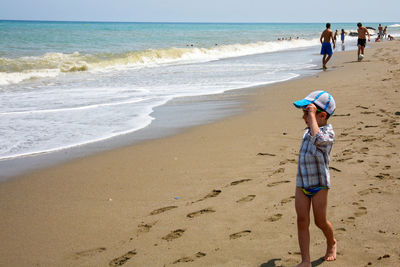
(362, 40)
(326, 49)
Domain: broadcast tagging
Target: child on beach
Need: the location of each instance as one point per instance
(342, 33)
(313, 179)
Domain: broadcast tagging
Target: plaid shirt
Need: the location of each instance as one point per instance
(313, 163)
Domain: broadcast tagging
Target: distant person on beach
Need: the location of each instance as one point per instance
(335, 36)
(326, 49)
(380, 30)
(342, 33)
(342, 36)
(362, 40)
(390, 37)
(313, 179)
(384, 32)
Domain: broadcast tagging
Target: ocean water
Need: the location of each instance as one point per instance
(67, 84)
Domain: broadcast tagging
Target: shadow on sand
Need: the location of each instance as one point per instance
(271, 263)
(356, 61)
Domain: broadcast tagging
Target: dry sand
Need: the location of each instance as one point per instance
(222, 194)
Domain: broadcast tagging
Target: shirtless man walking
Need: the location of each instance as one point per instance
(326, 49)
(362, 40)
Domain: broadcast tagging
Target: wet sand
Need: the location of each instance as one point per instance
(222, 194)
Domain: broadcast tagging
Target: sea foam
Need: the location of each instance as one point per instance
(16, 70)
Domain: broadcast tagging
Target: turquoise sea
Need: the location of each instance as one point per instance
(67, 84)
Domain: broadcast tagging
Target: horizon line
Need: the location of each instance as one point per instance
(189, 22)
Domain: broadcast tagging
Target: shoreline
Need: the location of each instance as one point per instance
(164, 124)
(173, 117)
(193, 111)
(134, 202)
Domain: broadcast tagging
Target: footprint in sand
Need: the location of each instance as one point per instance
(280, 170)
(277, 183)
(383, 257)
(340, 159)
(198, 213)
(239, 234)
(240, 181)
(287, 161)
(383, 176)
(350, 219)
(369, 191)
(174, 235)
(266, 154)
(274, 217)
(342, 115)
(213, 193)
(335, 169)
(90, 252)
(347, 152)
(367, 112)
(158, 211)
(369, 139)
(123, 259)
(362, 211)
(341, 229)
(246, 199)
(287, 200)
(286, 261)
(362, 107)
(145, 227)
(190, 259)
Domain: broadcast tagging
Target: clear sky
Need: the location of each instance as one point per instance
(203, 10)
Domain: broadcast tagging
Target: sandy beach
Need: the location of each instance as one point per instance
(221, 194)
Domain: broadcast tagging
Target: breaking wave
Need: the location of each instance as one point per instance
(15, 70)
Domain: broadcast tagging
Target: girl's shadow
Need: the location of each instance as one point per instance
(271, 263)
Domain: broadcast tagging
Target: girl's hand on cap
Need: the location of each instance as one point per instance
(311, 109)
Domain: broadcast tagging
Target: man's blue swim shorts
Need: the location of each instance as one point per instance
(326, 49)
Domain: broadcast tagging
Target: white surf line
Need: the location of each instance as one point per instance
(72, 109)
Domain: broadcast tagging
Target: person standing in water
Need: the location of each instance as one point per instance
(380, 29)
(342, 36)
(342, 33)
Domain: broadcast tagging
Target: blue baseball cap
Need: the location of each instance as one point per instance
(321, 99)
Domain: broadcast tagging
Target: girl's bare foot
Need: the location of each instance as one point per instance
(331, 252)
